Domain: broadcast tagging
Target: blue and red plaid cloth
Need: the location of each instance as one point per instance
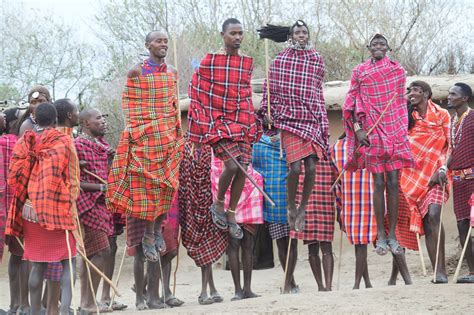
(266, 160)
(373, 84)
(296, 95)
(221, 100)
(91, 206)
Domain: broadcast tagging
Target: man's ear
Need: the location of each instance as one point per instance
(69, 115)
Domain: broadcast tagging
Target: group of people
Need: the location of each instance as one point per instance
(384, 180)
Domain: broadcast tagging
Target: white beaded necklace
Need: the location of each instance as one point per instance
(456, 135)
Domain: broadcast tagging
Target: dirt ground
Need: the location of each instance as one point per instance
(422, 297)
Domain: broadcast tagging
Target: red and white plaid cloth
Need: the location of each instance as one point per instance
(6, 191)
(296, 95)
(250, 207)
(221, 100)
(373, 85)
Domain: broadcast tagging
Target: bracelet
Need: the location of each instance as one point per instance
(357, 126)
(443, 169)
(103, 188)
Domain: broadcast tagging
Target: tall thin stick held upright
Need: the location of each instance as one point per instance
(439, 237)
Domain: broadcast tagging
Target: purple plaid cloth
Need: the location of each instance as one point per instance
(91, 205)
(296, 95)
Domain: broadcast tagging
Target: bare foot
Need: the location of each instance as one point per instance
(249, 295)
(238, 296)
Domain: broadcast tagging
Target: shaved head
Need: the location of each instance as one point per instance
(150, 36)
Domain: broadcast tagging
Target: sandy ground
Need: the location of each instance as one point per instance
(422, 297)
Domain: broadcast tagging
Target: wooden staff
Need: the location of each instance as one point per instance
(177, 264)
(175, 53)
(267, 197)
(340, 261)
(286, 265)
(20, 242)
(439, 238)
(83, 164)
(118, 276)
(422, 259)
(368, 133)
(458, 268)
(69, 251)
(267, 71)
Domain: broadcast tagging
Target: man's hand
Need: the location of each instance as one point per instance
(434, 180)
(267, 120)
(362, 137)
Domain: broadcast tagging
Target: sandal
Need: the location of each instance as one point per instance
(205, 300)
(466, 279)
(395, 247)
(160, 244)
(217, 298)
(219, 218)
(149, 250)
(381, 247)
(235, 230)
(173, 301)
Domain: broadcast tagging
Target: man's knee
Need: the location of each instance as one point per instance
(295, 169)
(313, 249)
(310, 166)
(434, 212)
(392, 181)
(326, 247)
(231, 167)
(379, 183)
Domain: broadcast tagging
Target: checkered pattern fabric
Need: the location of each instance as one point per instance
(249, 207)
(144, 174)
(434, 196)
(429, 143)
(266, 160)
(95, 241)
(278, 230)
(40, 169)
(373, 85)
(297, 148)
(296, 95)
(6, 193)
(53, 272)
(355, 196)
(203, 240)
(320, 214)
(221, 100)
(91, 205)
(242, 151)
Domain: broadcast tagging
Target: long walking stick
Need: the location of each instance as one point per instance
(286, 264)
(340, 261)
(267, 71)
(175, 53)
(368, 133)
(422, 259)
(267, 197)
(83, 164)
(162, 281)
(439, 238)
(458, 268)
(118, 276)
(69, 251)
(176, 268)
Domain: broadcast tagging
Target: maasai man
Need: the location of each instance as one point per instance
(144, 175)
(428, 131)
(375, 84)
(267, 161)
(18, 268)
(298, 110)
(97, 222)
(221, 114)
(355, 210)
(461, 165)
(203, 240)
(248, 216)
(51, 184)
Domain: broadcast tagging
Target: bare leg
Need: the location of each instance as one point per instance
(292, 187)
(308, 185)
(109, 269)
(236, 191)
(233, 254)
(361, 264)
(14, 278)
(139, 275)
(394, 274)
(328, 263)
(205, 271)
(366, 277)
(35, 284)
(402, 267)
(153, 276)
(53, 294)
(247, 261)
(25, 267)
(379, 203)
(463, 228)
(227, 177)
(315, 264)
(291, 266)
(66, 293)
(431, 225)
(282, 245)
(88, 301)
(392, 202)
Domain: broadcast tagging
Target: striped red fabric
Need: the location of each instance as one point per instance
(297, 148)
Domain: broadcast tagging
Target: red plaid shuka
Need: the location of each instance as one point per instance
(6, 193)
(40, 171)
(91, 206)
(144, 175)
(320, 214)
(296, 95)
(203, 240)
(221, 101)
(373, 85)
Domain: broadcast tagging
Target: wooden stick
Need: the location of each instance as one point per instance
(20, 242)
(177, 265)
(118, 276)
(458, 268)
(340, 262)
(175, 53)
(368, 133)
(439, 238)
(286, 265)
(69, 251)
(103, 181)
(267, 197)
(267, 71)
(422, 259)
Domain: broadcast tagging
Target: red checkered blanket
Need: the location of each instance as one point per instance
(221, 100)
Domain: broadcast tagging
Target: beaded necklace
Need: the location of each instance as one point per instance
(456, 133)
